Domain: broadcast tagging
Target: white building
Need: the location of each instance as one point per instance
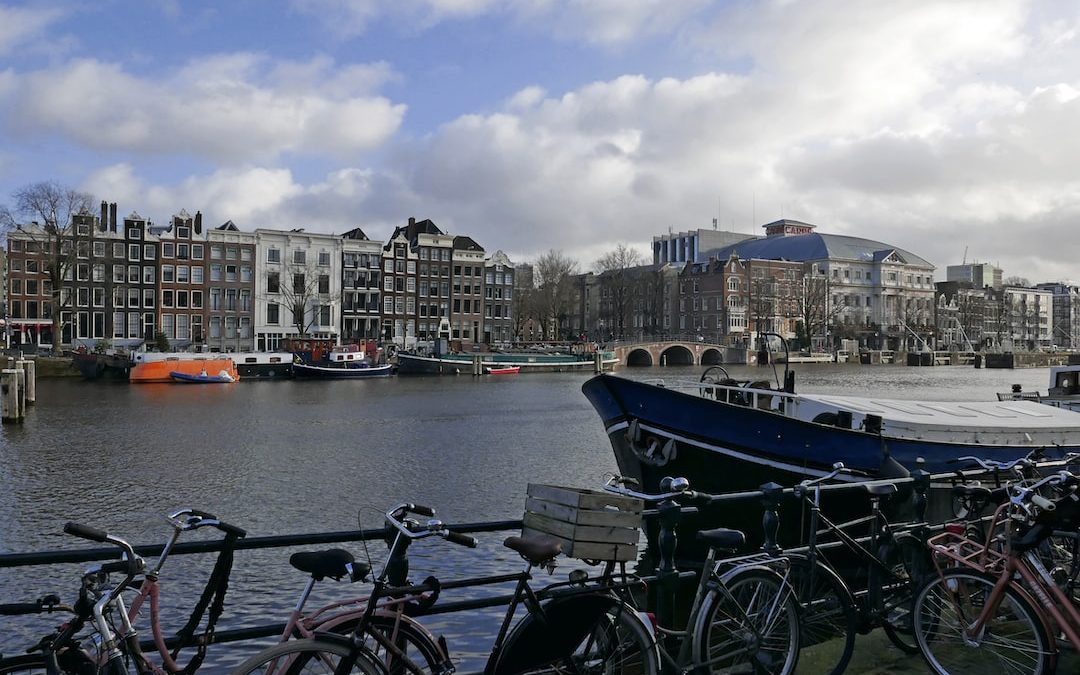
(298, 292)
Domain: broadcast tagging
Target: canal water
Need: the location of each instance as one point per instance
(304, 456)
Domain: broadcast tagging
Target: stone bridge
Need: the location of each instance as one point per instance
(680, 353)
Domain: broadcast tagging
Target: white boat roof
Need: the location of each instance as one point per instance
(984, 414)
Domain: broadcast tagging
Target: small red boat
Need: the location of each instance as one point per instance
(509, 370)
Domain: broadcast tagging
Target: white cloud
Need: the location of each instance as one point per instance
(22, 26)
(233, 108)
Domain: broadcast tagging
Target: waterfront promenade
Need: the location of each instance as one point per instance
(290, 456)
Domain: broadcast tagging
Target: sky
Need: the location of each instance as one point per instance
(950, 129)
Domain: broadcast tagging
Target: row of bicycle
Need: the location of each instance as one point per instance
(930, 591)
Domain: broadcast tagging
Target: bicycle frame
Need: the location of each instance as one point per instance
(1038, 587)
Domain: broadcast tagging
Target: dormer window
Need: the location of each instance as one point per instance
(183, 233)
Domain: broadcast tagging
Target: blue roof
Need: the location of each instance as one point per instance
(814, 246)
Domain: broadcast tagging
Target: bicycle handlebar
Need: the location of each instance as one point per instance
(993, 465)
(187, 519)
(680, 490)
(131, 565)
(413, 529)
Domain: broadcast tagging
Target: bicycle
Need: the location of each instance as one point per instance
(831, 611)
(999, 608)
(744, 616)
(572, 625)
(99, 605)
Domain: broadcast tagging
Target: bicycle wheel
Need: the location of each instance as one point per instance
(31, 664)
(750, 625)
(415, 643)
(829, 620)
(305, 657)
(1060, 553)
(1014, 639)
(619, 644)
(908, 561)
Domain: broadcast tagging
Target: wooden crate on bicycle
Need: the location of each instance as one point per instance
(591, 524)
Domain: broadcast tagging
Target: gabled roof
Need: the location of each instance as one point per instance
(463, 243)
(356, 233)
(228, 225)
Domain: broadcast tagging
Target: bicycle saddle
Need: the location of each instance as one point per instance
(330, 563)
(976, 491)
(723, 538)
(537, 549)
(881, 490)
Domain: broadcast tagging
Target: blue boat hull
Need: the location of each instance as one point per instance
(186, 378)
(723, 448)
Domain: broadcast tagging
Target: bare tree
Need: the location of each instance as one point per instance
(301, 289)
(554, 272)
(618, 287)
(50, 207)
(816, 310)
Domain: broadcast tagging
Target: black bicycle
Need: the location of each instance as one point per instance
(890, 563)
(579, 626)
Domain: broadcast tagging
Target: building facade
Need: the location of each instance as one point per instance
(230, 289)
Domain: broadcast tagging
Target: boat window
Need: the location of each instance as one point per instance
(909, 409)
(250, 359)
(275, 359)
(1026, 411)
(989, 412)
(954, 411)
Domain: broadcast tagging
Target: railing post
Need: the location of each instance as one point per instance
(771, 493)
(921, 481)
(668, 512)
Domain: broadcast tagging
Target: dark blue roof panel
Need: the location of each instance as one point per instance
(815, 246)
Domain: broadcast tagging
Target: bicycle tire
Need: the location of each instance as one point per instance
(724, 646)
(306, 657)
(829, 619)
(414, 642)
(941, 612)
(909, 561)
(30, 664)
(619, 644)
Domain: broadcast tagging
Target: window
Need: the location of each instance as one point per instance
(168, 249)
(118, 324)
(230, 253)
(245, 273)
(272, 313)
(324, 260)
(324, 283)
(273, 255)
(230, 273)
(196, 251)
(411, 266)
(388, 283)
(82, 272)
(99, 249)
(83, 227)
(134, 251)
(133, 274)
(148, 252)
(133, 297)
(167, 298)
(324, 314)
(215, 254)
(183, 274)
(182, 322)
(215, 327)
(148, 298)
(196, 275)
(182, 299)
(298, 283)
(215, 299)
(134, 233)
(245, 254)
(299, 257)
(215, 273)
(273, 282)
(230, 299)
(168, 274)
(83, 297)
(183, 233)
(16, 286)
(183, 251)
(245, 301)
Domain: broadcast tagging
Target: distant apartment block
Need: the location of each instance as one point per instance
(978, 275)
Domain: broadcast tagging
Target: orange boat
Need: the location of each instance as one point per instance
(158, 366)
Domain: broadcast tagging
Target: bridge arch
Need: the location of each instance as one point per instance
(712, 357)
(639, 357)
(677, 355)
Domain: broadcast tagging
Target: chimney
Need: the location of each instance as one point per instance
(103, 224)
(198, 222)
(412, 221)
(112, 217)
